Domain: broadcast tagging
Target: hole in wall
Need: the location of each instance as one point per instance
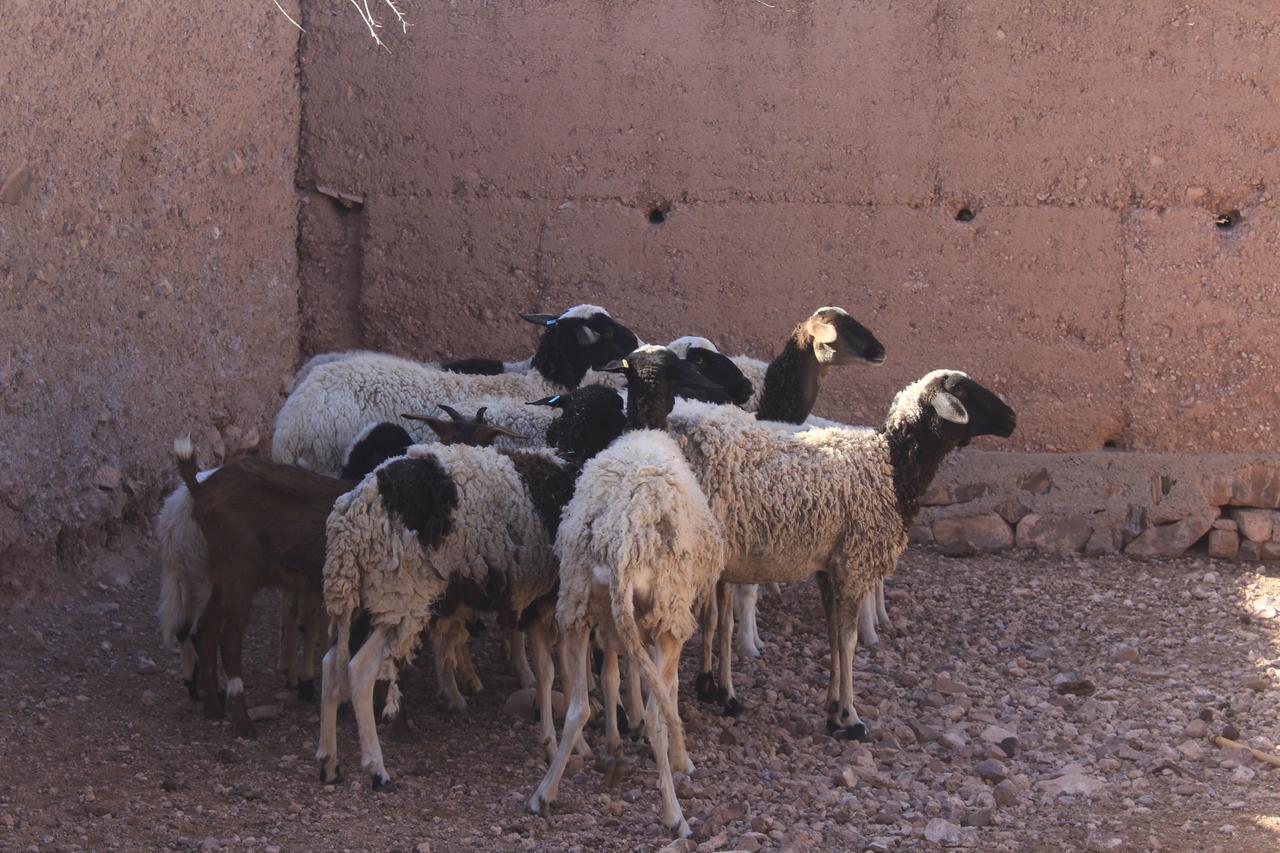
(1111, 444)
(658, 213)
(964, 214)
(1227, 219)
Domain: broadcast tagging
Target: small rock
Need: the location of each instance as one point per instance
(1124, 653)
(949, 686)
(1230, 732)
(146, 666)
(752, 841)
(846, 778)
(728, 737)
(991, 771)
(265, 712)
(107, 478)
(942, 831)
(1006, 793)
(1256, 683)
(423, 847)
(1102, 842)
(520, 704)
(963, 536)
(1075, 684)
(1072, 780)
(1196, 729)
(1243, 774)
(148, 698)
(1191, 750)
(978, 817)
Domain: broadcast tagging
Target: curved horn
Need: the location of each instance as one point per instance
(480, 414)
(453, 414)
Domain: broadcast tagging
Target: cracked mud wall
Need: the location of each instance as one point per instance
(508, 156)
(148, 228)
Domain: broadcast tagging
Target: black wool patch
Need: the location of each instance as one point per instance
(550, 486)
(385, 441)
(422, 495)
(475, 366)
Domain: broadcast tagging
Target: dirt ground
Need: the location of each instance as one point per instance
(100, 749)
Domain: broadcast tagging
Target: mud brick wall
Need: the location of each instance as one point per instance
(509, 156)
(148, 224)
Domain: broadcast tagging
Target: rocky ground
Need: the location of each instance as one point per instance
(1016, 704)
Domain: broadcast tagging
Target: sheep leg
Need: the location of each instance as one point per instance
(327, 753)
(289, 617)
(189, 667)
(207, 656)
(668, 656)
(635, 701)
(566, 671)
(442, 647)
(833, 636)
(882, 615)
(609, 684)
(363, 674)
(231, 644)
(575, 655)
(513, 641)
(463, 665)
(867, 621)
(312, 622)
(669, 669)
(732, 707)
(844, 722)
(705, 684)
(745, 601)
(545, 673)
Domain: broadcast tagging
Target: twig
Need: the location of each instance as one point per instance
(286, 14)
(1273, 760)
(1169, 765)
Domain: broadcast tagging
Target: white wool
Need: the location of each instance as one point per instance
(583, 312)
(681, 346)
(338, 399)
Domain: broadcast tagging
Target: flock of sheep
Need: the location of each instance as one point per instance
(617, 512)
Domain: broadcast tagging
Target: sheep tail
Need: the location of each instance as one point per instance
(624, 619)
(185, 453)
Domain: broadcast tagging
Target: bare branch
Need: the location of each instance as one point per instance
(286, 14)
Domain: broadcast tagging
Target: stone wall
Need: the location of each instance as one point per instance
(1072, 202)
(148, 285)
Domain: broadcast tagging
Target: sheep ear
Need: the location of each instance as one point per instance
(586, 335)
(540, 319)
(822, 331)
(949, 408)
(547, 401)
(618, 365)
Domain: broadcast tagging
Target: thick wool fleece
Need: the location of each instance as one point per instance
(794, 503)
(638, 523)
(337, 399)
(373, 561)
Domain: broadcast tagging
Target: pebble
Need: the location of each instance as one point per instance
(1124, 653)
(942, 831)
(1006, 793)
(991, 771)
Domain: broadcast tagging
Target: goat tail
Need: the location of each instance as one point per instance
(185, 454)
(624, 619)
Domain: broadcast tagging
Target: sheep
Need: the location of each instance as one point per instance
(832, 502)
(336, 399)
(637, 536)
(785, 392)
(395, 542)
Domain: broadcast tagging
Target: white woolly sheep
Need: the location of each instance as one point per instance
(638, 547)
(832, 502)
(396, 541)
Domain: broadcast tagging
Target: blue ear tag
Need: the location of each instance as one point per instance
(550, 323)
(553, 400)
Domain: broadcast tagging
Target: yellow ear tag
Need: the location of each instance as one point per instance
(625, 366)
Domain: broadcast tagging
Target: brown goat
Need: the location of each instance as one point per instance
(264, 524)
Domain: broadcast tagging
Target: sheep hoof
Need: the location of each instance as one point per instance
(334, 778)
(858, 732)
(707, 690)
(540, 805)
(637, 733)
(615, 769)
(190, 684)
(381, 783)
(680, 830)
(733, 708)
(307, 690)
(624, 725)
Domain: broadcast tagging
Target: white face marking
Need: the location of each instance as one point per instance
(681, 346)
(583, 312)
